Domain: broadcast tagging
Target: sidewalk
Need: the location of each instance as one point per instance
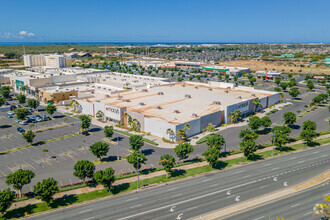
(147, 176)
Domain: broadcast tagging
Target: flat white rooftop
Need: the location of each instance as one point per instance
(162, 102)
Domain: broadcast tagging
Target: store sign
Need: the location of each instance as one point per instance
(242, 105)
(113, 110)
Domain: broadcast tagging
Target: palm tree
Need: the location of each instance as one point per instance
(235, 116)
(170, 132)
(187, 127)
(257, 103)
(74, 104)
(181, 134)
(100, 115)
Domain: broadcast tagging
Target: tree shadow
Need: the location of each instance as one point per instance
(313, 144)
(286, 149)
(5, 126)
(264, 131)
(59, 116)
(147, 152)
(220, 165)
(117, 139)
(19, 212)
(95, 129)
(38, 143)
(147, 171)
(64, 201)
(224, 154)
(109, 159)
(255, 157)
(294, 126)
(176, 173)
(119, 188)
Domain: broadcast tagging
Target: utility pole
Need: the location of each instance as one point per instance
(137, 171)
(117, 148)
(225, 149)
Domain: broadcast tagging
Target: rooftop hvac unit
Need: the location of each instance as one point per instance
(183, 85)
(141, 103)
(176, 111)
(144, 90)
(228, 87)
(160, 93)
(93, 86)
(126, 100)
(107, 96)
(239, 97)
(216, 103)
(253, 95)
(92, 92)
(196, 87)
(226, 91)
(99, 87)
(158, 107)
(194, 115)
(210, 89)
(187, 96)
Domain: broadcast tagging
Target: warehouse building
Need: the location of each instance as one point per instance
(172, 106)
(226, 70)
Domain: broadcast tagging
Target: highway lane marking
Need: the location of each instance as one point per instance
(171, 189)
(263, 186)
(315, 152)
(324, 155)
(187, 200)
(308, 213)
(267, 164)
(259, 218)
(301, 161)
(191, 208)
(239, 171)
(214, 185)
(246, 176)
(292, 158)
(295, 205)
(230, 196)
(176, 195)
(89, 218)
(206, 180)
(135, 198)
(87, 210)
(135, 206)
(276, 168)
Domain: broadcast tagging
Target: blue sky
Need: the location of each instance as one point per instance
(165, 20)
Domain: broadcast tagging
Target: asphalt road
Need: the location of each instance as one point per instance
(297, 207)
(199, 195)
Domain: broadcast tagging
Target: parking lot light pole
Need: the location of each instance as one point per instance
(117, 148)
(137, 171)
(225, 148)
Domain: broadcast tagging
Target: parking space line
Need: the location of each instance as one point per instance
(29, 165)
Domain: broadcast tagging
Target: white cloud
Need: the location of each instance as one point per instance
(25, 33)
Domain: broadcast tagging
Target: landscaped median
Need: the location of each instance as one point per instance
(126, 183)
(129, 135)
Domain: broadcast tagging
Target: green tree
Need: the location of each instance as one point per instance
(212, 156)
(45, 190)
(5, 91)
(50, 109)
(215, 141)
(257, 104)
(309, 125)
(289, 118)
(21, 98)
(235, 116)
(22, 113)
(292, 82)
(284, 85)
(277, 89)
(247, 134)
(280, 133)
(252, 80)
(33, 103)
(181, 134)
(170, 132)
(210, 128)
(2, 101)
(323, 209)
(182, 150)
(28, 136)
(108, 131)
(19, 179)
(265, 122)
(308, 135)
(294, 92)
(106, 178)
(6, 199)
(136, 142)
(99, 149)
(85, 122)
(167, 161)
(136, 158)
(84, 169)
(254, 122)
(249, 147)
(310, 84)
(277, 80)
(100, 115)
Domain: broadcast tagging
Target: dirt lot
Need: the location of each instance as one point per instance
(279, 66)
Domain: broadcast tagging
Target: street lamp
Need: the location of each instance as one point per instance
(137, 171)
(274, 141)
(117, 148)
(225, 149)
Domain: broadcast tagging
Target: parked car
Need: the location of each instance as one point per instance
(23, 123)
(12, 107)
(7, 103)
(19, 129)
(10, 112)
(16, 120)
(39, 119)
(9, 116)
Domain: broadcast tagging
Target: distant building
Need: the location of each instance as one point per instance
(288, 55)
(327, 61)
(226, 70)
(269, 75)
(34, 60)
(55, 61)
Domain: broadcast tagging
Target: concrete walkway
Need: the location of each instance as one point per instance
(147, 176)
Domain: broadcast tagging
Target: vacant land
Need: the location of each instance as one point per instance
(281, 66)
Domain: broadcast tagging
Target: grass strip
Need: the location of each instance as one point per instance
(129, 134)
(51, 128)
(178, 174)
